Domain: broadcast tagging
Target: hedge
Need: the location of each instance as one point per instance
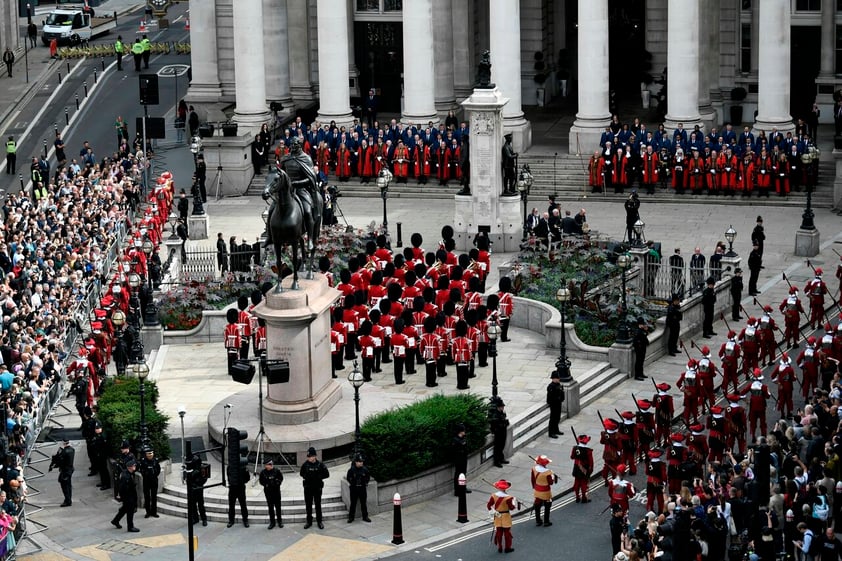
(405, 441)
(119, 413)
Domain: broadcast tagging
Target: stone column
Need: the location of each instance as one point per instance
(712, 50)
(276, 52)
(443, 55)
(251, 111)
(205, 87)
(418, 73)
(773, 79)
(755, 35)
(504, 22)
(708, 66)
(593, 115)
(463, 68)
(683, 64)
(298, 37)
(353, 72)
(828, 42)
(334, 92)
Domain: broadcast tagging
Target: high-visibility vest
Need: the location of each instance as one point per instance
(118, 47)
(146, 44)
(11, 147)
(137, 49)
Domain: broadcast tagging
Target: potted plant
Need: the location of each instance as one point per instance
(540, 77)
(229, 128)
(738, 94)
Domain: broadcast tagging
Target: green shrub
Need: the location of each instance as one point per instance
(405, 441)
(119, 413)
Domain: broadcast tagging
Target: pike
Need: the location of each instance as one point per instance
(835, 303)
(762, 307)
(683, 348)
(722, 317)
(796, 288)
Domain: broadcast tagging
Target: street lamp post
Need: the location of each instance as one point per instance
(623, 335)
(118, 318)
(141, 370)
(562, 365)
(493, 334)
(151, 316)
(384, 179)
(524, 183)
(173, 220)
(730, 235)
(639, 226)
(134, 301)
(355, 377)
(807, 222)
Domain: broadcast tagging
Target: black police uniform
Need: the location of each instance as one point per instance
(271, 479)
(127, 492)
(555, 397)
(358, 478)
(313, 475)
(63, 460)
(150, 469)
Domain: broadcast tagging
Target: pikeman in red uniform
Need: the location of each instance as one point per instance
(716, 428)
(620, 490)
(461, 350)
(730, 352)
(808, 361)
(611, 452)
(735, 423)
(815, 290)
(707, 371)
(502, 505)
(656, 475)
(836, 347)
(792, 309)
(757, 393)
(244, 325)
(645, 428)
(628, 441)
(697, 444)
(677, 456)
(766, 336)
(784, 376)
(689, 384)
(664, 411)
(231, 336)
(750, 347)
(260, 338)
(826, 343)
(430, 347)
(582, 456)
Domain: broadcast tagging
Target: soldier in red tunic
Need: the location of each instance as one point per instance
(716, 428)
(506, 307)
(784, 376)
(619, 489)
(582, 456)
(260, 338)
(231, 336)
(430, 347)
(611, 452)
(808, 361)
(664, 411)
(815, 290)
(707, 371)
(628, 441)
(730, 352)
(735, 423)
(757, 393)
(766, 336)
(645, 428)
(656, 475)
(244, 324)
(689, 384)
(502, 505)
(697, 444)
(792, 309)
(677, 456)
(750, 344)
(460, 349)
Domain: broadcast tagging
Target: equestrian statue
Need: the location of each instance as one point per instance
(295, 210)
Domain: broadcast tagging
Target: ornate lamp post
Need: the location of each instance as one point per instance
(493, 334)
(118, 318)
(141, 370)
(151, 316)
(355, 377)
(639, 226)
(134, 301)
(730, 235)
(384, 179)
(807, 218)
(623, 335)
(562, 365)
(173, 220)
(524, 183)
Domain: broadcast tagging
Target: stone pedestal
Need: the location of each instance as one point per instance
(572, 404)
(233, 153)
(807, 243)
(486, 208)
(198, 226)
(152, 337)
(298, 331)
(621, 357)
(638, 255)
(731, 262)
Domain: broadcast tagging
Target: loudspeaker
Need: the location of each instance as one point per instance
(242, 372)
(149, 89)
(155, 127)
(277, 372)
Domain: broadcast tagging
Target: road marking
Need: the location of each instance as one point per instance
(173, 70)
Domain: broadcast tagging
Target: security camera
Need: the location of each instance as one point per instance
(182, 411)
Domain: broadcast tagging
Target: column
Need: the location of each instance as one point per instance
(504, 23)
(418, 70)
(706, 112)
(755, 35)
(354, 88)
(443, 55)
(251, 111)
(593, 115)
(298, 25)
(773, 76)
(205, 87)
(828, 42)
(463, 71)
(276, 52)
(683, 64)
(712, 50)
(334, 92)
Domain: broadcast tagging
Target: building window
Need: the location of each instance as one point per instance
(839, 49)
(747, 5)
(378, 6)
(393, 5)
(745, 48)
(808, 5)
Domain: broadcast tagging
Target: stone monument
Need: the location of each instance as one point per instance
(485, 209)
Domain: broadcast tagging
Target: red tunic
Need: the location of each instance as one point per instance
(401, 161)
(422, 163)
(343, 162)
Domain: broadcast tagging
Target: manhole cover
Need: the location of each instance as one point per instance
(119, 546)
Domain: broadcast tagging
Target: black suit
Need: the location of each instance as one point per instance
(568, 226)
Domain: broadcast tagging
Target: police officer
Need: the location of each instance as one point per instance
(708, 303)
(127, 494)
(673, 323)
(640, 341)
(137, 53)
(459, 447)
(313, 473)
(509, 166)
(119, 51)
(99, 457)
(499, 426)
(271, 479)
(150, 469)
(358, 478)
(632, 206)
(63, 460)
(146, 44)
(736, 294)
(555, 397)
(11, 155)
(199, 481)
(123, 458)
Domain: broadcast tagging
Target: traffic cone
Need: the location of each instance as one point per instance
(187, 25)
(142, 27)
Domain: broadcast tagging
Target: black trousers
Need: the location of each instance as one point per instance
(127, 508)
(199, 506)
(672, 338)
(273, 501)
(137, 58)
(358, 494)
(555, 418)
(11, 159)
(499, 445)
(707, 322)
(66, 482)
(150, 496)
(638, 364)
(430, 370)
(482, 351)
(311, 497)
(752, 280)
(735, 306)
(119, 61)
(237, 493)
(462, 371)
(244, 348)
(398, 361)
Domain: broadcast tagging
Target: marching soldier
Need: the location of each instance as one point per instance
(582, 456)
(698, 449)
(430, 347)
(716, 428)
(792, 309)
(542, 479)
(611, 452)
(461, 352)
(735, 423)
(620, 490)
(63, 460)
(707, 371)
(656, 475)
(750, 346)
(757, 393)
(766, 336)
(784, 376)
(502, 504)
(677, 456)
(645, 428)
(664, 411)
(271, 479)
(689, 384)
(808, 361)
(232, 337)
(815, 289)
(555, 397)
(826, 345)
(730, 352)
(628, 441)
(150, 469)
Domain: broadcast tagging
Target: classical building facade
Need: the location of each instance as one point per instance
(420, 55)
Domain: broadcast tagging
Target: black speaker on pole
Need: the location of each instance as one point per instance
(155, 127)
(149, 89)
(242, 372)
(277, 372)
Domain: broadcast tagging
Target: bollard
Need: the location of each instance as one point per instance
(462, 514)
(397, 527)
(55, 126)
(85, 84)
(20, 178)
(59, 78)
(66, 117)
(400, 238)
(45, 148)
(68, 67)
(103, 63)
(77, 102)
(94, 75)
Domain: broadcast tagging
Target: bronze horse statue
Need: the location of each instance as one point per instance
(288, 222)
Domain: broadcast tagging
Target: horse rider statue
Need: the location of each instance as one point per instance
(299, 167)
